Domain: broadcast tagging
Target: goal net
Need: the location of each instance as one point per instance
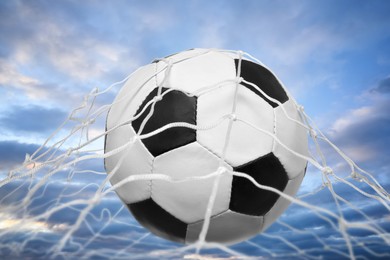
(59, 203)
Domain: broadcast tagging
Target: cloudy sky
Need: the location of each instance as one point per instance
(333, 56)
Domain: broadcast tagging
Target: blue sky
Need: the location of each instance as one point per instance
(334, 57)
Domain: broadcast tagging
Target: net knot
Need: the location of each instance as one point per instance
(327, 170)
(95, 90)
(28, 162)
(96, 199)
(89, 122)
(27, 158)
(343, 224)
(11, 174)
(134, 139)
(356, 176)
(69, 152)
(233, 117)
(313, 133)
(169, 62)
(221, 170)
(157, 98)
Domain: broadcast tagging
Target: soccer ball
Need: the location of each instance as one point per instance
(195, 113)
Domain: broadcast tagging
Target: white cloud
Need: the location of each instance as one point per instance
(361, 152)
(362, 132)
(211, 36)
(65, 49)
(12, 224)
(10, 77)
(156, 18)
(80, 58)
(353, 117)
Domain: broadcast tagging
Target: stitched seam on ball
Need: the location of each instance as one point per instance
(231, 183)
(196, 118)
(213, 153)
(274, 130)
(230, 191)
(155, 74)
(151, 181)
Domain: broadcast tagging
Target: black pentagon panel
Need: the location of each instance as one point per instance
(246, 198)
(264, 79)
(160, 222)
(175, 106)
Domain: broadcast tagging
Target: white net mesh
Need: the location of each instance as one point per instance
(59, 203)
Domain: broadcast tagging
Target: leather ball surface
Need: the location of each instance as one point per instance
(223, 96)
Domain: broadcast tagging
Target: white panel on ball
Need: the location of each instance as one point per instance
(188, 200)
(228, 228)
(207, 69)
(137, 160)
(294, 136)
(282, 203)
(246, 143)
